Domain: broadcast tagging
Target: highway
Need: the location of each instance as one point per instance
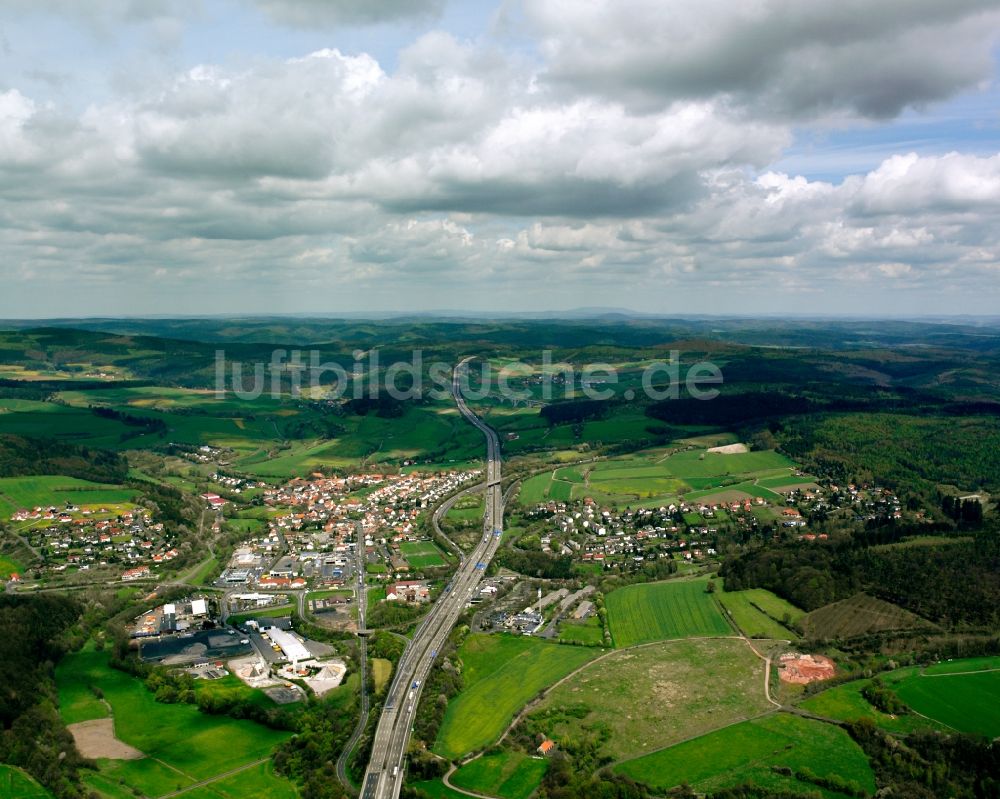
(384, 776)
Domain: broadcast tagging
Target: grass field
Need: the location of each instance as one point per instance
(746, 608)
(422, 554)
(381, 672)
(16, 784)
(9, 567)
(502, 673)
(589, 631)
(746, 753)
(510, 775)
(639, 614)
(859, 615)
(650, 697)
(182, 745)
(438, 790)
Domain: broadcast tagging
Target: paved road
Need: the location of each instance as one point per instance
(362, 592)
(384, 776)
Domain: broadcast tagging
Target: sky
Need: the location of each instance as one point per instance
(189, 157)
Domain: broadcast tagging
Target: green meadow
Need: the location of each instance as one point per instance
(16, 784)
(501, 674)
(748, 752)
(509, 775)
(649, 697)
(181, 744)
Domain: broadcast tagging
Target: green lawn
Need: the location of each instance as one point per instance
(661, 611)
(421, 554)
(502, 673)
(747, 752)
(16, 784)
(510, 775)
(187, 745)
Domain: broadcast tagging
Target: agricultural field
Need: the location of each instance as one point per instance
(181, 745)
(747, 610)
(662, 611)
(968, 702)
(422, 554)
(16, 784)
(655, 695)
(747, 752)
(502, 673)
(859, 615)
(509, 775)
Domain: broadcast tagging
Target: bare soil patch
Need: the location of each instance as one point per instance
(804, 669)
(96, 738)
(730, 449)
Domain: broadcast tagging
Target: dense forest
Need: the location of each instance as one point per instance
(955, 583)
(21, 456)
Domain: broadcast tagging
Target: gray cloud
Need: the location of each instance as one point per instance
(789, 58)
(312, 13)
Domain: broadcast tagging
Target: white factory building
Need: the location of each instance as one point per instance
(291, 646)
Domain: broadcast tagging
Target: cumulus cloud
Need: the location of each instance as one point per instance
(637, 175)
(788, 58)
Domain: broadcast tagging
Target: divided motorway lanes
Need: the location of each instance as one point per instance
(384, 776)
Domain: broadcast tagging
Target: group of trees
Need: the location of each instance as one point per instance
(33, 637)
(150, 424)
(928, 765)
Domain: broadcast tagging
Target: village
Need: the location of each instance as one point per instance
(73, 538)
(625, 538)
